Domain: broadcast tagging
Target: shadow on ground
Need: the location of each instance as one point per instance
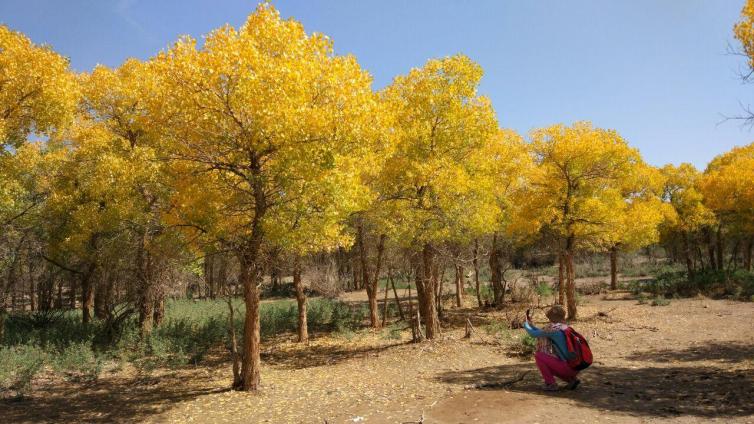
(644, 390)
(724, 352)
(103, 401)
(315, 356)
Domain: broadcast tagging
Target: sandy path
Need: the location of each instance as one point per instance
(697, 366)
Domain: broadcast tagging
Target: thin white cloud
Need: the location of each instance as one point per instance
(123, 10)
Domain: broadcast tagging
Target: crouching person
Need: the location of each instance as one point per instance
(561, 352)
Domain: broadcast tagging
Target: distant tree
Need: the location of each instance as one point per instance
(689, 214)
(729, 193)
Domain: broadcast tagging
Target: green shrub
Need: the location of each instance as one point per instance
(660, 301)
(497, 329)
(543, 289)
(77, 361)
(528, 344)
(738, 284)
(393, 331)
(19, 365)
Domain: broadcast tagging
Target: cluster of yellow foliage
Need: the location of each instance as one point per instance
(38, 93)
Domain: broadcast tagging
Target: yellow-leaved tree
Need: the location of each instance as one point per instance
(432, 187)
(728, 190)
(689, 214)
(575, 189)
(508, 165)
(127, 144)
(638, 219)
(258, 116)
(38, 95)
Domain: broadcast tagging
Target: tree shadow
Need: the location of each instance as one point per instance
(724, 352)
(106, 400)
(645, 391)
(315, 356)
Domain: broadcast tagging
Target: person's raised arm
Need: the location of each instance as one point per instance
(532, 330)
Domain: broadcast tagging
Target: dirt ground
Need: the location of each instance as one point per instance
(691, 361)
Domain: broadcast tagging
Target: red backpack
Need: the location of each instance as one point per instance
(579, 355)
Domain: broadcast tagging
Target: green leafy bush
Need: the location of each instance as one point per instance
(543, 289)
(528, 344)
(19, 365)
(738, 284)
(660, 301)
(77, 361)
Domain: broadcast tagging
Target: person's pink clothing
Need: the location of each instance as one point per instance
(551, 367)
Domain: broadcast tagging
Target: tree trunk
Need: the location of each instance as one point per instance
(251, 349)
(439, 283)
(222, 274)
(303, 329)
(384, 302)
(561, 278)
(720, 249)
(3, 313)
(159, 307)
(496, 272)
(733, 261)
(570, 280)
(355, 269)
(209, 275)
(59, 299)
(395, 293)
(476, 273)
(236, 357)
(747, 253)
(72, 292)
(427, 302)
(613, 268)
(87, 294)
(459, 285)
(32, 293)
(687, 255)
(101, 305)
(370, 280)
(710, 248)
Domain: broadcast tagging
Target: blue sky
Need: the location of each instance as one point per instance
(655, 70)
